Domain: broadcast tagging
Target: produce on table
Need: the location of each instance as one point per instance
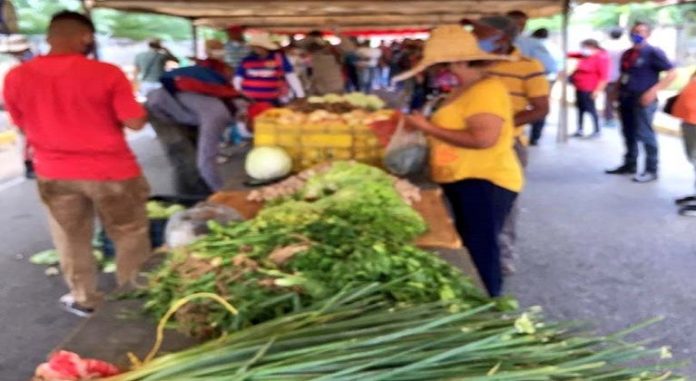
(341, 174)
(268, 163)
(347, 102)
(346, 224)
(320, 135)
(357, 335)
(68, 366)
(162, 210)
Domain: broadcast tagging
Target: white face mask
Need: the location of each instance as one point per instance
(586, 52)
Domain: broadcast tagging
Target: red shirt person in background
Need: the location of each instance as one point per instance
(590, 78)
(73, 111)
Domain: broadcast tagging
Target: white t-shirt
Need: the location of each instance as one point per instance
(615, 49)
(369, 57)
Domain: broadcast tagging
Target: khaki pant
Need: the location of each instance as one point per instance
(120, 206)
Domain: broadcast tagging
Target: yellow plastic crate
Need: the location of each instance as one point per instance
(311, 142)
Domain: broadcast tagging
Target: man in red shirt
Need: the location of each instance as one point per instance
(72, 110)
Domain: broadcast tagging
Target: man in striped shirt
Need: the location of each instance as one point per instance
(266, 74)
(235, 48)
(525, 79)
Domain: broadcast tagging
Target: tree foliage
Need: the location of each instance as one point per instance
(34, 16)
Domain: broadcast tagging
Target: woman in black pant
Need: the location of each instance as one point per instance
(471, 145)
(590, 79)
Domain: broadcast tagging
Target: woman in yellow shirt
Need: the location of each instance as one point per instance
(471, 146)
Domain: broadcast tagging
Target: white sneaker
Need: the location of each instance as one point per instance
(69, 304)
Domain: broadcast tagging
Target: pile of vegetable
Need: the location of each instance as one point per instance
(268, 163)
(358, 336)
(162, 210)
(339, 103)
(345, 224)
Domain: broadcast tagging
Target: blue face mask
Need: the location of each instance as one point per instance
(637, 38)
(489, 45)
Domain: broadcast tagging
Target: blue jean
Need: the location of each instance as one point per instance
(636, 123)
(208, 113)
(480, 209)
(586, 104)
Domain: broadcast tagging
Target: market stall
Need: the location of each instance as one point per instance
(334, 272)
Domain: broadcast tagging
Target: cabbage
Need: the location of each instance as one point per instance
(267, 163)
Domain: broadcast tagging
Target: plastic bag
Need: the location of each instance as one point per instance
(186, 226)
(407, 152)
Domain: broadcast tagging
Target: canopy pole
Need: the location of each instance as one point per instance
(194, 40)
(563, 114)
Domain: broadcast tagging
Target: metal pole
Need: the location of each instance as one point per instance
(563, 114)
(194, 33)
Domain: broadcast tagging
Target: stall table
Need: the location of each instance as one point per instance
(119, 328)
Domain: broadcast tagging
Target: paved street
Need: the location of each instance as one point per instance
(593, 247)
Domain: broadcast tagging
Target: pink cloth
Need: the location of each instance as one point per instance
(590, 70)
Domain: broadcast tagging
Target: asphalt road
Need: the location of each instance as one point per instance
(593, 247)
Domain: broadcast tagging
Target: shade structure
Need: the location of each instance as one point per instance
(303, 14)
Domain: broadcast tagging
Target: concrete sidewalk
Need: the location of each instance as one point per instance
(601, 249)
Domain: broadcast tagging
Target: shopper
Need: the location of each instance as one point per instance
(327, 62)
(615, 47)
(150, 65)
(525, 79)
(266, 75)
(199, 95)
(72, 110)
(236, 47)
(471, 152)
(531, 46)
(15, 49)
(537, 128)
(590, 79)
(685, 109)
(368, 66)
(640, 82)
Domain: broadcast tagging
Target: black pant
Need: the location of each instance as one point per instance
(480, 209)
(538, 126)
(636, 126)
(537, 129)
(585, 104)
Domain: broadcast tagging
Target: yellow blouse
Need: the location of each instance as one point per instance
(497, 164)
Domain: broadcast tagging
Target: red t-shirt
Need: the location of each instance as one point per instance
(591, 70)
(71, 109)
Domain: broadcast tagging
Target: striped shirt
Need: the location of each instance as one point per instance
(235, 52)
(263, 78)
(524, 79)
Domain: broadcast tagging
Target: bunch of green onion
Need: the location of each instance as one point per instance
(358, 336)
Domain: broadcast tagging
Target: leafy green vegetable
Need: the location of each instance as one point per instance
(357, 336)
(355, 229)
(162, 210)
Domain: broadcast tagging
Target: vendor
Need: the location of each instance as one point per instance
(472, 137)
(266, 74)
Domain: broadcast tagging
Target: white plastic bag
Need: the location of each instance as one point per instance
(407, 151)
(186, 226)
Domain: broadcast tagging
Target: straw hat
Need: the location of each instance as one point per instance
(450, 43)
(263, 41)
(13, 43)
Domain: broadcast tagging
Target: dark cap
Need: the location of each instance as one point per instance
(501, 23)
